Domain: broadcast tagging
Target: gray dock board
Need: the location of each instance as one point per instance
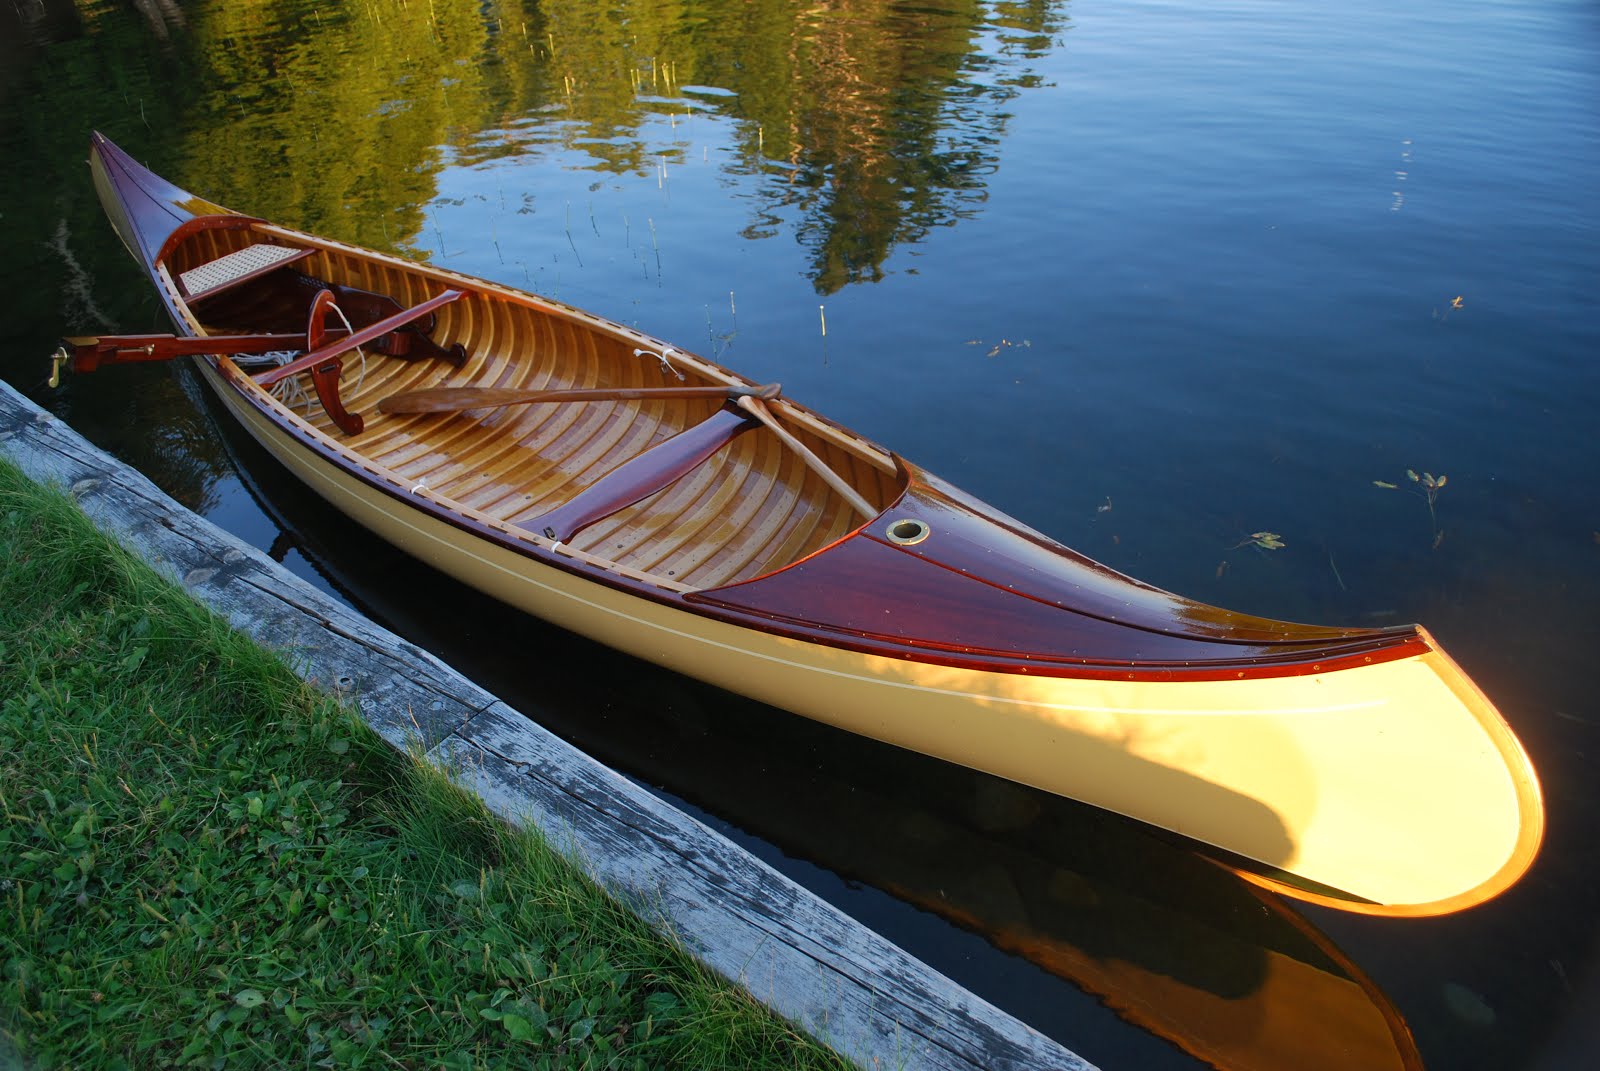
(796, 953)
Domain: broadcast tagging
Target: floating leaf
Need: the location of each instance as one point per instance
(1264, 540)
(1385, 484)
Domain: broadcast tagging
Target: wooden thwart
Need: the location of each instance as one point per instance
(641, 476)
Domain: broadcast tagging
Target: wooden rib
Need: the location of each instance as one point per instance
(513, 440)
(771, 489)
(713, 525)
(469, 439)
(814, 506)
(774, 485)
(781, 504)
(709, 560)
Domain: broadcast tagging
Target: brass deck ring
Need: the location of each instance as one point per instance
(907, 532)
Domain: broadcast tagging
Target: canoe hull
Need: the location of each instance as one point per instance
(1378, 779)
(1248, 765)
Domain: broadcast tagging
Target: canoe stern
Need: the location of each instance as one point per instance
(144, 208)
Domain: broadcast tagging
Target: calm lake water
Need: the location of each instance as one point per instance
(1152, 276)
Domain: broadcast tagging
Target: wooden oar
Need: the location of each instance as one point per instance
(455, 399)
(756, 407)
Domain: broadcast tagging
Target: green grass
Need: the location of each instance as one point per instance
(203, 863)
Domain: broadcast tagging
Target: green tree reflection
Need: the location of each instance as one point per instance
(861, 124)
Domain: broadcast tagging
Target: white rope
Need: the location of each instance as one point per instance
(362, 377)
(291, 392)
(666, 365)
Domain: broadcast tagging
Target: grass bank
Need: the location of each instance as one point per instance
(205, 863)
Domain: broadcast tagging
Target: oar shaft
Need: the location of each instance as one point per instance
(757, 408)
(455, 399)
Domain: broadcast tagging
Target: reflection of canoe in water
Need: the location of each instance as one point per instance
(1166, 940)
(668, 507)
(1180, 948)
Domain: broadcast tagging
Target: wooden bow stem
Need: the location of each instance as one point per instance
(757, 408)
(456, 399)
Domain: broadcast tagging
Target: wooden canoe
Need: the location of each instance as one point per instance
(652, 500)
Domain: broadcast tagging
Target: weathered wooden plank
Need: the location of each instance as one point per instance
(406, 694)
(795, 952)
(807, 960)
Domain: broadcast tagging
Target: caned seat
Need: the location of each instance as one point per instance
(240, 266)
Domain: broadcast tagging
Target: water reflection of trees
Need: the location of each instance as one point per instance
(860, 124)
(870, 121)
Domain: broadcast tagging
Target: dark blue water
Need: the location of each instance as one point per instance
(1151, 276)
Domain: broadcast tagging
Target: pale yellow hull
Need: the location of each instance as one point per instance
(1337, 777)
(1380, 779)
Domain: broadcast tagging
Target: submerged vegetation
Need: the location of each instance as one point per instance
(1428, 486)
(203, 862)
